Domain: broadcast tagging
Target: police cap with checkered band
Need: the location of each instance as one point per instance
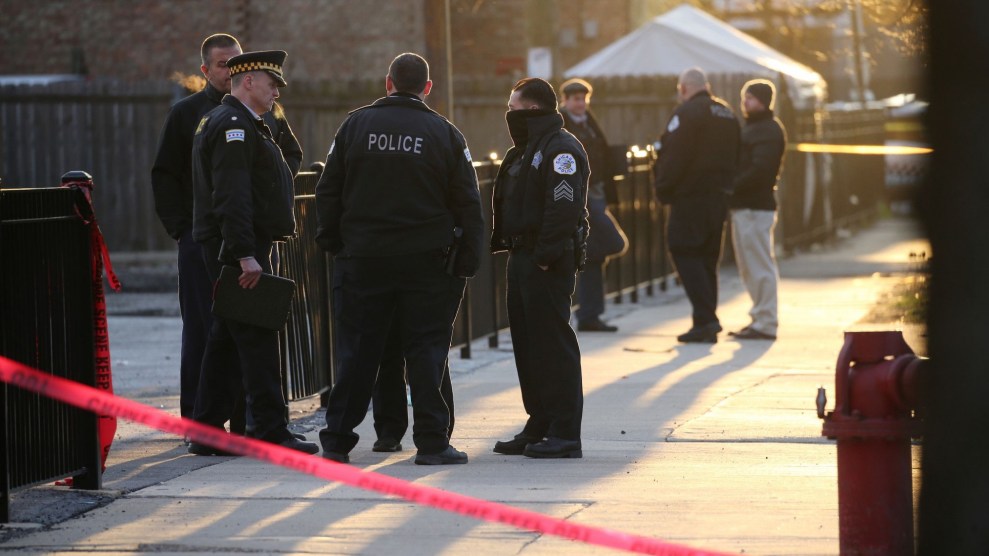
(270, 61)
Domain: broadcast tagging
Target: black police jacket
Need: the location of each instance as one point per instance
(171, 174)
(242, 184)
(763, 147)
(699, 150)
(546, 202)
(398, 179)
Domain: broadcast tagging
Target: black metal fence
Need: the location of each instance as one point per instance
(307, 339)
(822, 192)
(47, 307)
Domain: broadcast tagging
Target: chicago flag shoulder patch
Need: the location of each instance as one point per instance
(235, 135)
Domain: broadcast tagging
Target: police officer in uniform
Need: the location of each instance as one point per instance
(243, 203)
(695, 172)
(171, 182)
(540, 217)
(398, 181)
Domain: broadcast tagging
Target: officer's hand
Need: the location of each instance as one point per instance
(251, 274)
(542, 267)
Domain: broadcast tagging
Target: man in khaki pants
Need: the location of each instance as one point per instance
(753, 208)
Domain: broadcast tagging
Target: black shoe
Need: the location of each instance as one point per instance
(336, 456)
(705, 334)
(449, 456)
(386, 445)
(595, 325)
(300, 446)
(737, 332)
(750, 333)
(207, 450)
(515, 446)
(554, 448)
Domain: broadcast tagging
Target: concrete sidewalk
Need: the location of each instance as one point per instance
(714, 446)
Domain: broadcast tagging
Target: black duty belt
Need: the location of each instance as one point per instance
(525, 241)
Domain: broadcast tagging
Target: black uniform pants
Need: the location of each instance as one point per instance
(241, 358)
(390, 407)
(368, 293)
(547, 356)
(695, 235)
(195, 303)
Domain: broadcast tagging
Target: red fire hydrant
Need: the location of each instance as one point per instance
(873, 420)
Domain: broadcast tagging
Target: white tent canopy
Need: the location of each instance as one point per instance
(685, 37)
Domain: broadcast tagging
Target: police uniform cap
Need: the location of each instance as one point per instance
(270, 61)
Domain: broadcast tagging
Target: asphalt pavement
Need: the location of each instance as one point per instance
(718, 447)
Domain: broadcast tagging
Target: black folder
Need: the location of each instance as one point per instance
(266, 305)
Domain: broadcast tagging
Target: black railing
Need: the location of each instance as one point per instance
(644, 221)
(46, 300)
(306, 340)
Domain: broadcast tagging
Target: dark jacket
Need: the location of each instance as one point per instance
(546, 202)
(171, 174)
(699, 150)
(398, 179)
(595, 143)
(243, 187)
(763, 147)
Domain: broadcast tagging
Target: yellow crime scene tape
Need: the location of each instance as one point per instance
(858, 149)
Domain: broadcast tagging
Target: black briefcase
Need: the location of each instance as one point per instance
(266, 305)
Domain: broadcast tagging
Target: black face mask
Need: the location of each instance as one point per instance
(518, 124)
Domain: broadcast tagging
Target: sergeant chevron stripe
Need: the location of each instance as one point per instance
(563, 191)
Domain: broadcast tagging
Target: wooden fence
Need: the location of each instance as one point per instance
(111, 129)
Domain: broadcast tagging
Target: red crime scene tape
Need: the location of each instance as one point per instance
(103, 403)
(99, 255)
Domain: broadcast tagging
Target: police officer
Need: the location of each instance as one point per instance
(696, 168)
(171, 182)
(243, 203)
(398, 181)
(539, 216)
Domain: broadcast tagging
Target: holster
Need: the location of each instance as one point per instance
(453, 251)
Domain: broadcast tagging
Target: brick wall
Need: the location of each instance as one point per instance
(326, 39)
(138, 41)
